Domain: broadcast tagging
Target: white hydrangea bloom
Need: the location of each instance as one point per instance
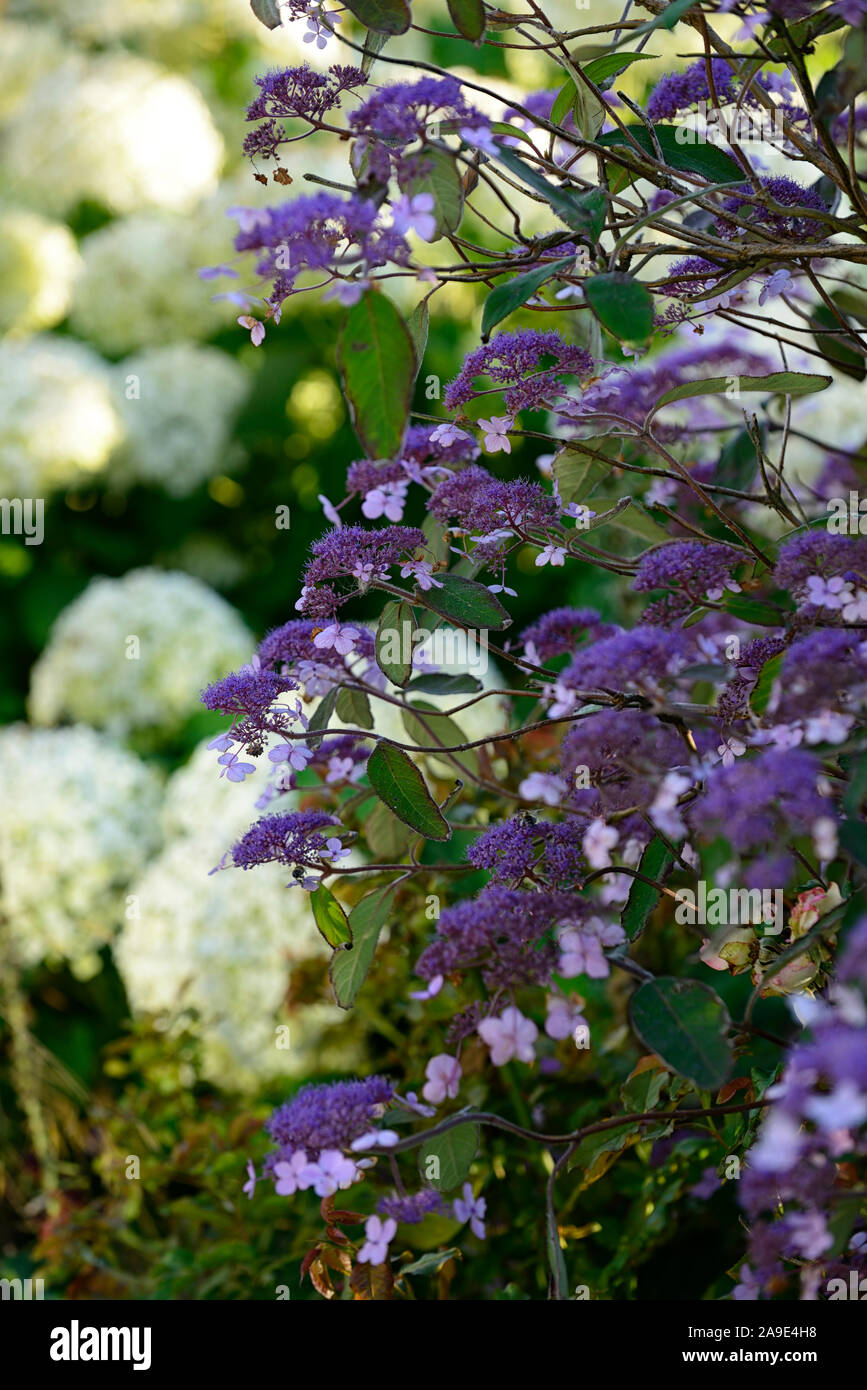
(39, 261)
(27, 52)
(224, 945)
(133, 654)
(78, 819)
(140, 287)
(58, 424)
(117, 130)
(178, 405)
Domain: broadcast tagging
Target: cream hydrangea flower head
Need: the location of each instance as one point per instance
(225, 945)
(39, 261)
(27, 52)
(131, 655)
(115, 129)
(178, 405)
(78, 819)
(58, 423)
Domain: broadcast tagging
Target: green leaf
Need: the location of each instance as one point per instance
(330, 918)
(383, 16)
(393, 644)
(398, 782)
(442, 728)
(439, 177)
(266, 12)
(455, 1151)
(856, 792)
(737, 464)
(386, 837)
(577, 469)
(761, 694)
(466, 602)
(707, 160)
(323, 713)
(556, 1263)
(373, 45)
(514, 292)
(750, 610)
(656, 862)
(583, 212)
(377, 364)
(353, 707)
(832, 346)
(685, 1024)
(440, 683)
(418, 324)
(468, 17)
(349, 969)
(622, 305)
(775, 384)
(610, 64)
(430, 1263)
(853, 839)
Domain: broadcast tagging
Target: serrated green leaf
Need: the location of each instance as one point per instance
(774, 384)
(399, 784)
(348, 969)
(353, 707)
(468, 603)
(377, 366)
(330, 918)
(468, 17)
(685, 1023)
(454, 1152)
(393, 642)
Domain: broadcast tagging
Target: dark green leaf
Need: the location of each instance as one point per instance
(398, 782)
(706, 159)
(577, 469)
(762, 689)
(418, 324)
(509, 296)
(373, 45)
(377, 364)
(610, 64)
(394, 642)
(750, 610)
(266, 12)
(685, 1024)
(324, 711)
(666, 19)
(583, 212)
(827, 331)
(455, 1151)
(386, 837)
(468, 17)
(330, 918)
(353, 707)
(349, 968)
(440, 683)
(430, 1263)
(466, 602)
(737, 464)
(656, 862)
(853, 839)
(383, 16)
(622, 305)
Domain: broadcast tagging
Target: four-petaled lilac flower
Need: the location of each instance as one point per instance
(295, 754)
(250, 1185)
(332, 1170)
(546, 787)
(775, 284)
(551, 555)
(415, 214)
(599, 839)
(497, 433)
(378, 1236)
(342, 639)
(375, 1139)
(234, 770)
(472, 1209)
(291, 1175)
(422, 573)
(443, 1078)
(510, 1035)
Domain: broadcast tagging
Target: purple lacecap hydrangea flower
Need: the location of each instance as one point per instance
(553, 851)
(482, 503)
(639, 660)
(250, 692)
(819, 553)
(679, 90)
(420, 447)
(296, 93)
(625, 753)
(760, 802)
(821, 671)
(700, 570)
(402, 111)
(558, 632)
(328, 1116)
(510, 357)
(357, 553)
(789, 194)
(411, 1208)
(291, 837)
